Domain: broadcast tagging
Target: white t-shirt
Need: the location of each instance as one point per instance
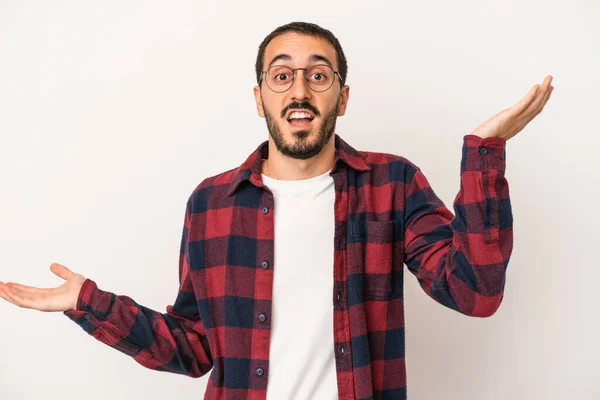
(301, 355)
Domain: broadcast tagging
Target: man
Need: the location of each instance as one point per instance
(291, 265)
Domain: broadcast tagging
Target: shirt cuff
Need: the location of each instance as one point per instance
(483, 153)
(92, 305)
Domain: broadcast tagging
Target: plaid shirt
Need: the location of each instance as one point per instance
(386, 215)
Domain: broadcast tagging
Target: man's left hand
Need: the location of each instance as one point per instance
(507, 123)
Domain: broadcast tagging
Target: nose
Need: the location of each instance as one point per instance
(300, 89)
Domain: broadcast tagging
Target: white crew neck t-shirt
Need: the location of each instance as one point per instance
(301, 354)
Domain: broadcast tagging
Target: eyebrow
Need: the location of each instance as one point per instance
(313, 58)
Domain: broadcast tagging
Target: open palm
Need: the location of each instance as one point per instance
(507, 123)
(61, 298)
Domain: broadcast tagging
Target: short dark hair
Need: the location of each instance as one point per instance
(303, 28)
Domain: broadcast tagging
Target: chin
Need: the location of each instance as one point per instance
(302, 133)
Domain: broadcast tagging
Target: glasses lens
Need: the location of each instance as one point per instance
(320, 78)
(279, 78)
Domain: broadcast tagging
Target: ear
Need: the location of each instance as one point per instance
(259, 103)
(345, 95)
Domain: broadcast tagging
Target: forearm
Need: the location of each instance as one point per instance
(460, 260)
(172, 342)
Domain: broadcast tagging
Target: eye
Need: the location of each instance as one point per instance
(281, 77)
(320, 74)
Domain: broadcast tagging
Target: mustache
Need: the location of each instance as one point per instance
(300, 106)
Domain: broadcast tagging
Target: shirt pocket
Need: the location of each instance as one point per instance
(371, 251)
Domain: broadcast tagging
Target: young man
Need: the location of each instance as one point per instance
(291, 265)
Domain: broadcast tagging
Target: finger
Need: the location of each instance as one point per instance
(15, 298)
(524, 103)
(27, 289)
(61, 271)
(533, 109)
(6, 296)
(2, 285)
(544, 101)
(550, 89)
(27, 300)
(546, 91)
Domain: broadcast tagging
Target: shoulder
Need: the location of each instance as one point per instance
(208, 188)
(398, 168)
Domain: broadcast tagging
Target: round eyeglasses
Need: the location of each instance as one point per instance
(280, 78)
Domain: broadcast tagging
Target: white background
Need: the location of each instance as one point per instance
(112, 112)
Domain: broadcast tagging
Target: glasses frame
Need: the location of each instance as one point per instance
(306, 78)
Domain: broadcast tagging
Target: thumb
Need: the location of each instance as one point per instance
(61, 271)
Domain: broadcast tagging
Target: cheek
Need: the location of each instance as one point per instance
(326, 113)
(273, 109)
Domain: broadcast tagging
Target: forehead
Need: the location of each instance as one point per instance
(300, 48)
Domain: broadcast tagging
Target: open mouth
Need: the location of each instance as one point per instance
(300, 123)
(300, 119)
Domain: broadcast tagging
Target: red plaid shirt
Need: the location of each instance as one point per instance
(386, 215)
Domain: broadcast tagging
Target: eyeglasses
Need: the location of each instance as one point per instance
(280, 78)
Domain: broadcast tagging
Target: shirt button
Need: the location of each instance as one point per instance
(265, 210)
(264, 265)
(339, 296)
(87, 317)
(260, 372)
(483, 151)
(342, 349)
(262, 317)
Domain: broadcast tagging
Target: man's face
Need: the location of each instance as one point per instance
(292, 138)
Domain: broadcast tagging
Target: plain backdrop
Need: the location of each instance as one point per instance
(112, 112)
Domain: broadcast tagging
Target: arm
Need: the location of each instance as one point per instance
(174, 341)
(460, 261)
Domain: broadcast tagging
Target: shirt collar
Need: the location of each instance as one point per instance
(251, 168)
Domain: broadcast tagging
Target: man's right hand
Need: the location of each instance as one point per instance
(62, 298)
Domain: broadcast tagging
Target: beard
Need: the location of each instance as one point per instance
(302, 148)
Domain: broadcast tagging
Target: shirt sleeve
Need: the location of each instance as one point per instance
(174, 341)
(460, 260)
